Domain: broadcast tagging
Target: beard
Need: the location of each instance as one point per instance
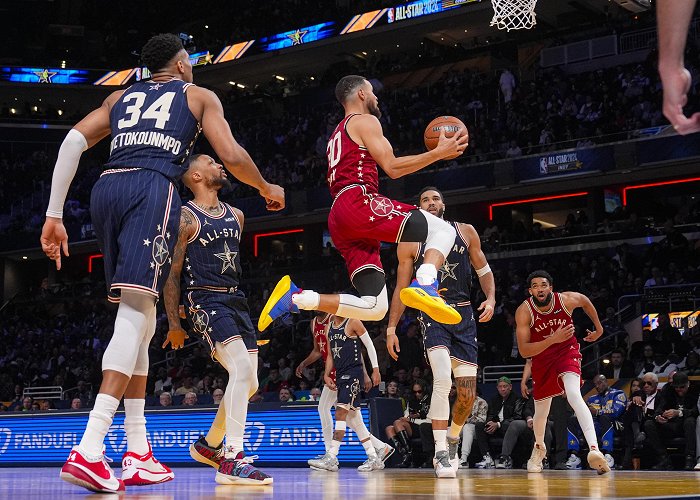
(542, 303)
(440, 212)
(220, 183)
(374, 110)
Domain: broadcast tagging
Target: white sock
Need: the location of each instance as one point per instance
(369, 448)
(440, 437)
(334, 448)
(98, 424)
(135, 426)
(307, 300)
(426, 274)
(376, 442)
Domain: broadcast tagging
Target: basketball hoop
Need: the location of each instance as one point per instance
(513, 14)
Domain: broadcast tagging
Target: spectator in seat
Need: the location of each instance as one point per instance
(404, 428)
(25, 405)
(498, 418)
(691, 365)
(165, 399)
(618, 367)
(190, 399)
(639, 410)
(217, 396)
(662, 366)
(674, 416)
(285, 395)
(478, 416)
(187, 386)
(163, 383)
(607, 408)
(76, 404)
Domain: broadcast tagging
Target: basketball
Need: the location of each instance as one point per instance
(450, 124)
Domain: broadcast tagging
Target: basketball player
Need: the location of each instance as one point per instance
(673, 18)
(329, 397)
(208, 241)
(450, 348)
(135, 210)
(343, 335)
(361, 218)
(546, 334)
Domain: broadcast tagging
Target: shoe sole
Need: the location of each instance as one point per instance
(79, 478)
(241, 481)
(598, 463)
(445, 473)
(201, 458)
(282, 287)
(437, 310)
(388, 455)
(137, 480)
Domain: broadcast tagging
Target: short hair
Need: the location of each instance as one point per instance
(346, 86)
(539, 274)
(430, 188)
(160, 50)
(654, 377)
(618, 351)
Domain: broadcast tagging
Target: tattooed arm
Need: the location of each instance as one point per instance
(171, 291)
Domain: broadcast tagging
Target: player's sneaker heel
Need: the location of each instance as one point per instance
(205, 454)
(279, 303)
(427, 299)
(144, 470)
(597, 461)
(91, 473)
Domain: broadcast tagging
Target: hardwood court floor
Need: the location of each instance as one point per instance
(198, 483)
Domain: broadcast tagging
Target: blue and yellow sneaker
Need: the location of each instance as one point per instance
(279, 303)
(427, 299)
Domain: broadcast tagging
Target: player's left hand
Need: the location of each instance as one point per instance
(376, 378)
(487, 306)
(329, 382)
(274, 197)
(176, 338)
(676, 84)
(592, 336)
(54, 238)
(367, 383)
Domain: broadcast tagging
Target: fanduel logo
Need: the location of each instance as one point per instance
(5, 438)
(254, 434)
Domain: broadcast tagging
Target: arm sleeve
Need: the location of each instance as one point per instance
(371, 351)
(66, 165)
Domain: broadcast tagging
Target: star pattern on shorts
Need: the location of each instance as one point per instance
(153, 264)
(390, 217)
(362, 155)
(398, 207)
(167, 235)
(161, 250)
(158, 228)
(228, 257)
(371, 218)
(199, 322)
(448, 271)
(146, 242)
(188, 268)
(213, 313)
(366, 202)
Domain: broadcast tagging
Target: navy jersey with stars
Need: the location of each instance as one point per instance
(153, 128)
(212, 260)
(346, 351)
(455, 275)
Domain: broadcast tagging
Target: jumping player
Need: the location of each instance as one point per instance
(361, 218)
(208, 241)
(545, 333)
(135, 210)
(448, 347)
(346, 360)
(319, 329)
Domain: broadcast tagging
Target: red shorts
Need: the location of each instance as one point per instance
(547, 370)
(359, 221)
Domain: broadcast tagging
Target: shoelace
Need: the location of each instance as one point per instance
(248, 459)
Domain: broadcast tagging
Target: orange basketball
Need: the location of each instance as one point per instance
(450, 124)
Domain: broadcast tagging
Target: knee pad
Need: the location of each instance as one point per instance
(439, 401)
(130, 330)
(365, 308)
(441, 235)
(142, 362)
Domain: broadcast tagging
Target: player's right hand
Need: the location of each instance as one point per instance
(563, 333)
(274, 197)
(676, 84)
(54, 238)
(455, 145)
(176, 338)
(392, 345)
(299, 371)
(523, 389)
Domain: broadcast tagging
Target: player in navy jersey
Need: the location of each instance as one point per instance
(449, 348)
(361, 218)
(345, 358)
(545, 333)
(135, 210)
(207, 268)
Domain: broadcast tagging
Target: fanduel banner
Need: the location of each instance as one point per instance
(279, 435)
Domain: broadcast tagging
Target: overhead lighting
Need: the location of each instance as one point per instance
(63, 64)
(60, 112)
(280, 78)
(206, 26)
(606, 361)
(34, 108)
(13, 111)
(312, 78)
(232, 83)
(240, 85)
(364, 53)
(24, 257)
(397, 45)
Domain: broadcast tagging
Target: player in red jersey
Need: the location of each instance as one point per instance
(361, 218)
(546, 334)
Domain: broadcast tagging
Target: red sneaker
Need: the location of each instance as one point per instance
(92, 473)
(144, 469)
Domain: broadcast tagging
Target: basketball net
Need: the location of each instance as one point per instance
(513, 14)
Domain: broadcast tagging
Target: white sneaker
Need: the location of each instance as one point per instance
(574, 463)
(326, 462)
(452, 446)
(611, 461)
(372, 463)
(443, 467)
(486, 463)
(534, 464)
(385, 452)
(144, 469)
(697, 466)
(597, 461)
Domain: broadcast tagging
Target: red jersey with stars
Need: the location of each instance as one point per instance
(349, 163)
(319, 327)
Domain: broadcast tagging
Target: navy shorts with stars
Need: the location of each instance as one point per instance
(349, 385)
(136, 215)
(220, 317)
(459, 339)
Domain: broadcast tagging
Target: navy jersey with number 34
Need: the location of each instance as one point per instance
(153, 128)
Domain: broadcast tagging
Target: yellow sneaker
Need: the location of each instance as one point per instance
(279, 303)
(427, 299)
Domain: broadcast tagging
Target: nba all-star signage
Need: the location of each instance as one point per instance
(289, 434)
(565, 162)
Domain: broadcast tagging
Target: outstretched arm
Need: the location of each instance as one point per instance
(171, 290)
(405, 253)
(572, 300)
(483, 271)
